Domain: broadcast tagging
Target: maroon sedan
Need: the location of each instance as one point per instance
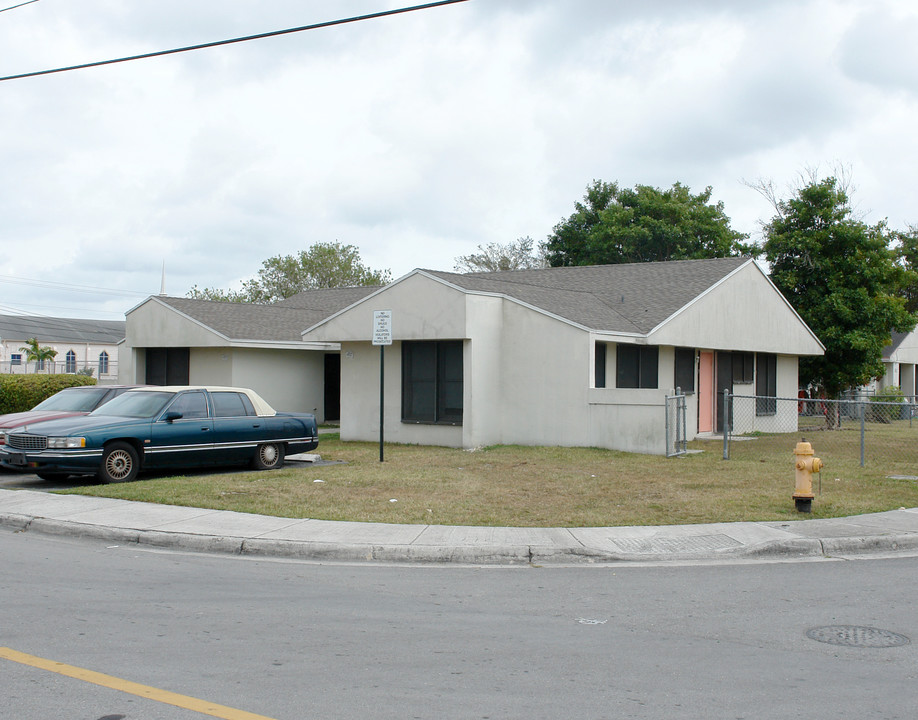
(80, 400)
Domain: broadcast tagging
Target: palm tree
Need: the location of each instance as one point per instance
(38, 354)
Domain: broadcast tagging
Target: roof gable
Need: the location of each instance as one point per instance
(627, 298)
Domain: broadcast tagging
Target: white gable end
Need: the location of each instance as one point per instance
(744, 312)
(422, 309)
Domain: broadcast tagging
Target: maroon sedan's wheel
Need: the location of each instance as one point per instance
(119, 463)
(269, 456)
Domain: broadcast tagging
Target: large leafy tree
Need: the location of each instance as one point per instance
(323, 265)
(842, 278)
(907, 254)
(495, 257)
(643, 224)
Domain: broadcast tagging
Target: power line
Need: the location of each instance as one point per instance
(217, 43)
(13, 7)
(69, 286)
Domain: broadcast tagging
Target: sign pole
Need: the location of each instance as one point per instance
(382, 336)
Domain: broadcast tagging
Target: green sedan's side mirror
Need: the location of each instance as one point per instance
(172, 415)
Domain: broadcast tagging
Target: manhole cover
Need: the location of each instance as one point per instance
(857, 636)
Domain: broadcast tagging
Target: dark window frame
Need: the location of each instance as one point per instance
(433, 382)
(684, 369)
(600, 354)
(766, 384)
(743, 367)
(637, 366)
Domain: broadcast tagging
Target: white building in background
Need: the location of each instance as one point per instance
(900, 358)
(81, 345)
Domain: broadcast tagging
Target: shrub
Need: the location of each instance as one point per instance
(19, 393)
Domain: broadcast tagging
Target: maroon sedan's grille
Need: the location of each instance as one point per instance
(27, 442)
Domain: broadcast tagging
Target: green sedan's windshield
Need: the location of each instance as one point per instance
(136, 404)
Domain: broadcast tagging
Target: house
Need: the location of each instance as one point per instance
(577, 356)
(182, 341)
(900, 358)
(81, 345)
(573, 356)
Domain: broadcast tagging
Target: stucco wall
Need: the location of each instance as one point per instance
(360, 363)
(290, 380)
(544, 380)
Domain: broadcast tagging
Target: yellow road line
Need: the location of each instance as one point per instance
(145, 691)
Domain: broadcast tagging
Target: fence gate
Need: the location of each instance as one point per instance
(675, 425)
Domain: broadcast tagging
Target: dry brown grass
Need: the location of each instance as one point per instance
(549, 486)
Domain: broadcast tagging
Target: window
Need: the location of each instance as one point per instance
(71, 362)
(766, 384)
(103, 363)
(191, 405)
(684, 375)
(743, 367)
(432, 382)
(599, 373)
(15, 359)
(232, 404)
(637, 366)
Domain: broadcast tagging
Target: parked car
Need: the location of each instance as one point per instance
(69, 402)
(162, 427)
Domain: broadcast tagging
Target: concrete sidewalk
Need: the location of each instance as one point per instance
(223, 531)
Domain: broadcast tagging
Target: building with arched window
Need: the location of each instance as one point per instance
(82, 346)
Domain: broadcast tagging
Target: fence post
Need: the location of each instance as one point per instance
(863, 414)
(726, 425)
(666, 424)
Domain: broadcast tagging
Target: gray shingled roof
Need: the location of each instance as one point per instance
(632, 298)
(61, 330)
(283, 321)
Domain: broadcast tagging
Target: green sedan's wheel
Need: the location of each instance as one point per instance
(119, 463)
(269, 456)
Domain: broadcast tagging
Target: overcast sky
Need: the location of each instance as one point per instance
(416, 137)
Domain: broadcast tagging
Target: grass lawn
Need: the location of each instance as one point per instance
(554, 487)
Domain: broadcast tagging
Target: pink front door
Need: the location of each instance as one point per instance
(706, 392)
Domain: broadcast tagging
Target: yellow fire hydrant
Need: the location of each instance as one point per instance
(806, 465)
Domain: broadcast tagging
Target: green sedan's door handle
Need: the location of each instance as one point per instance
(205, 428)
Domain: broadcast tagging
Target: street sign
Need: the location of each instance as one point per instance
(382, 327)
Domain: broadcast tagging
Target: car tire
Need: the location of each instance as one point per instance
(269, 456)
(120, 463)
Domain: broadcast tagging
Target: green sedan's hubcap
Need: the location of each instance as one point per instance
(119, 464)
(268, 454)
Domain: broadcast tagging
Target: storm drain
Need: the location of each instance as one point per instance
(688, 544)
(857, 636)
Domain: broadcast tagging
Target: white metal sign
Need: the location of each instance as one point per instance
(382, 327)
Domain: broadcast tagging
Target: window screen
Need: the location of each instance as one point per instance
(637, 366)
(432, 382)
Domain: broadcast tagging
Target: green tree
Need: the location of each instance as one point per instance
(842, 278)
(643, 224)
(907, 255)
(323, 265)
(35, 353)
(494, 257)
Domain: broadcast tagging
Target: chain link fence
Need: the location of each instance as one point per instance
(676, 442)
(869, 431)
